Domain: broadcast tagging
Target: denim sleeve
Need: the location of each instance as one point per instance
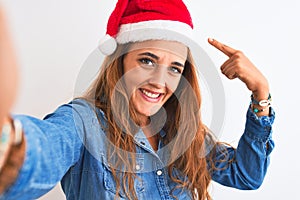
(245, 167)
(52, 147)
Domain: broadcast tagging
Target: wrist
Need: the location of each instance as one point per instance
(6, 141)
(12, 156)
(261, 102)
(262, 92)
(12, 166)
(261, 106)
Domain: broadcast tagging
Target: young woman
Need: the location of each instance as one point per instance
(137, 132)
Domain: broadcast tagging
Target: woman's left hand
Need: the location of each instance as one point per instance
(239, 66)
(8, 71)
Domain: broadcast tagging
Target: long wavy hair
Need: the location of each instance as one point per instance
(185, 138)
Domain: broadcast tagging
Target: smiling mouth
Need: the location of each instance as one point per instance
(150, 94)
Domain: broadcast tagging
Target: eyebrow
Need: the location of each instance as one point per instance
(150, 55)
(178, 64)
(157, 58)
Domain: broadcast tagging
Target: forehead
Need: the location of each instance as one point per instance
(172, 47)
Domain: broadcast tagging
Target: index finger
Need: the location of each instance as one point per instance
(222, 47)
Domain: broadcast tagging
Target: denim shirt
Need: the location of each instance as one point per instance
(69, 145)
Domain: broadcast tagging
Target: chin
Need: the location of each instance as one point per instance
(149, 111)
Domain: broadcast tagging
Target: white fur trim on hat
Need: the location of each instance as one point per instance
(155, 30)
(147, 30)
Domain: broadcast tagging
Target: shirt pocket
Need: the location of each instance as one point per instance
(110, 184)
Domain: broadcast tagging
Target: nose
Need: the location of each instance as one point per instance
(159, 77)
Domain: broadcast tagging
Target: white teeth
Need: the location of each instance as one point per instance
(151, 95)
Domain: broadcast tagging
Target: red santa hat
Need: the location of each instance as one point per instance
(141, 20)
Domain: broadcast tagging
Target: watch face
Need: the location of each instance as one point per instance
(264, 103)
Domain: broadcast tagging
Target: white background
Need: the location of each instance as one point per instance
(53, 39)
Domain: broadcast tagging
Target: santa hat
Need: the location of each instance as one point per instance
(141, 20)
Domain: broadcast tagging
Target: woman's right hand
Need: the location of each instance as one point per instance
(8, 70)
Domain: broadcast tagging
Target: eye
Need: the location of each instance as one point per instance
(175, 70)
(146, 61)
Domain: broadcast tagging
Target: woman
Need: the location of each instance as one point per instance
(137, 132)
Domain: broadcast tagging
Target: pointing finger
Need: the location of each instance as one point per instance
(222, 47)
(227, 62)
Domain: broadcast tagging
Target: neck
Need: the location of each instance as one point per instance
(152, 136)
(143, 121)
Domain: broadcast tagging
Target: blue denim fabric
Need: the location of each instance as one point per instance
(69, 146)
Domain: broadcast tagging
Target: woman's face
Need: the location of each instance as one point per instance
(152, 71)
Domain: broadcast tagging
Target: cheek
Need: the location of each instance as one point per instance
(133, 78)
(173, 83)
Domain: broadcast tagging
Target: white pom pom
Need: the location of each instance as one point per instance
(107, 45)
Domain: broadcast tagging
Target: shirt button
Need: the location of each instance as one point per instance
(159, 172)
(137, 167)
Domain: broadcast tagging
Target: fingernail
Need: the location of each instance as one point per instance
(210, 39)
